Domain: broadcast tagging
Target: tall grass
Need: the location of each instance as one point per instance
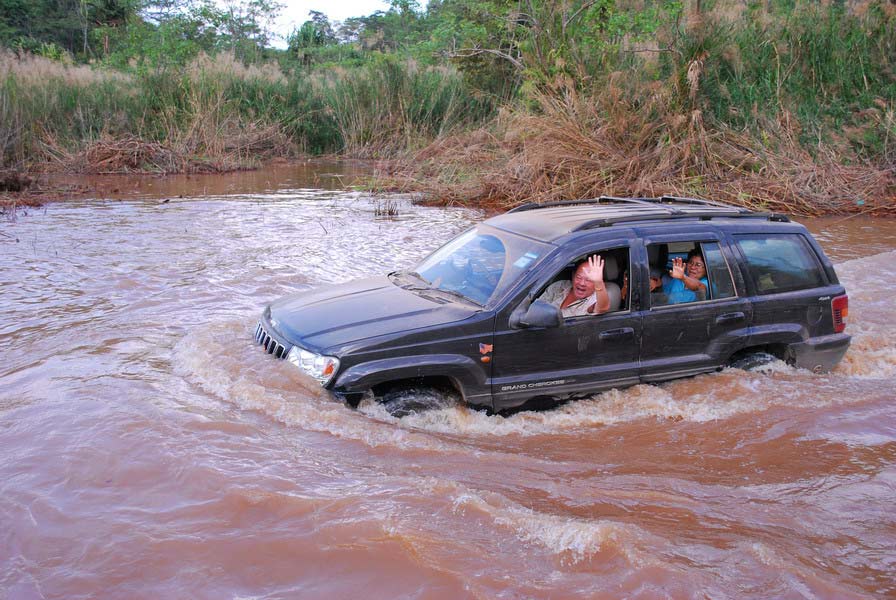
(388, 107)
(218, 109)
(43, 102)
(822, 64)
(780, 103)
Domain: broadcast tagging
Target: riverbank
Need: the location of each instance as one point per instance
(784, 108)
(468, 171)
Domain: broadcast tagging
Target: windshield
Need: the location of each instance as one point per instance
(481, 263)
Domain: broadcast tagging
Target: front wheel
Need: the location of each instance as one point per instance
(407, 400)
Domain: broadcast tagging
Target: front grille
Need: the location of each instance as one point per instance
(270, 345)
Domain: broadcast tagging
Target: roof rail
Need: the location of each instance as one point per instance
(698, 215)
(601, 200)
(698, 201)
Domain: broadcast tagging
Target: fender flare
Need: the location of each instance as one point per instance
(784, 333)
(462, 370)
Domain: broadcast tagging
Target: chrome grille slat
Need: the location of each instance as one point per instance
(270, 345)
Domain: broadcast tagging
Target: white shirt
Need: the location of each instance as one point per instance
(556, 293)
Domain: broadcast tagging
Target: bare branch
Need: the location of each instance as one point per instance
(575, 15)
(469, 52)
(667, 49)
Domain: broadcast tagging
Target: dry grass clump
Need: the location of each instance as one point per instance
(36, 71)
(576, 147)
(131, 154)
(241, 149)
(13, 181)
(225, 65)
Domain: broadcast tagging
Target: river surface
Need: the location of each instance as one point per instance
(149, 449)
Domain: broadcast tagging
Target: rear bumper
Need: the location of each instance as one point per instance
(820, 354)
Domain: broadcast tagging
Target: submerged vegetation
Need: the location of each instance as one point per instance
(784, 105)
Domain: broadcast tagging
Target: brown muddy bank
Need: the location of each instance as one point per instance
(335, 173)
(572, 150)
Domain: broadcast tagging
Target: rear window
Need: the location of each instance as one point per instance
(781, 263)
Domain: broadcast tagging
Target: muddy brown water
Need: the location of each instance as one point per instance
(148, 449)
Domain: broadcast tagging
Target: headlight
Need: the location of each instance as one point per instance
(318, 366)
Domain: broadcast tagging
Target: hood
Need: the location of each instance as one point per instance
(332, 316)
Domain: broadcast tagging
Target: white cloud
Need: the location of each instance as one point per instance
(296, 12)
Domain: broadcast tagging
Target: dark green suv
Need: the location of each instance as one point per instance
(468, 319)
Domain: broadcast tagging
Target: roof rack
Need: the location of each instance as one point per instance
(606, 221)
(646, 209)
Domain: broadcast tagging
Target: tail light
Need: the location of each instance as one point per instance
(840, 310)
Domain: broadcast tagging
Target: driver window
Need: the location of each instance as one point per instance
(578, 293)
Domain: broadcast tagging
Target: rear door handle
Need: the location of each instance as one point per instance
(617, 333)
(730, 318)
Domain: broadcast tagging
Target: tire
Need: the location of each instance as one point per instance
(754, 361)
(408, 400)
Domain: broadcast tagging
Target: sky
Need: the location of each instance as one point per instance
(295, 12)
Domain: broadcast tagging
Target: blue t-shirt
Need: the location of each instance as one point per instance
(677, 293)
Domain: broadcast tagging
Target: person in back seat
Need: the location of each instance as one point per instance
(657, 296)
(585, 294)
(688, 281)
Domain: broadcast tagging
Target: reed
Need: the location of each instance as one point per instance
(387, 107)
(220, 110)
(42, 99)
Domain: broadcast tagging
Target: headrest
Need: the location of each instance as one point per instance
(611, 269)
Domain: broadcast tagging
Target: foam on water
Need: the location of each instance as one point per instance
(571, 539)
(709, 397)
(871, 285)
(223, 360)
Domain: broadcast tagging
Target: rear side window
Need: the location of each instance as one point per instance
(720, 284)
(715, 278)
(781, 263)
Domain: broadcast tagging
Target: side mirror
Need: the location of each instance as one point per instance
(541, 314)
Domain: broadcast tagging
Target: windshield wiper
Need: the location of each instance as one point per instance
(405, 275)
(455, 294)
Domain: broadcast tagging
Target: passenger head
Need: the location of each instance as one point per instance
(696, 266)
(582, 287)
(656, 278)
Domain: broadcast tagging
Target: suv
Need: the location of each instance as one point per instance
(468, 320)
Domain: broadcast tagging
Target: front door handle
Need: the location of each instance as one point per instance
(730, 318)
(611, 334)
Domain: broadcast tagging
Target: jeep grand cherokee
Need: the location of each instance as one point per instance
(467, 319)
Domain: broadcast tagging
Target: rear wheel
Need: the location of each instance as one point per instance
(753, 361)
(407, 400)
